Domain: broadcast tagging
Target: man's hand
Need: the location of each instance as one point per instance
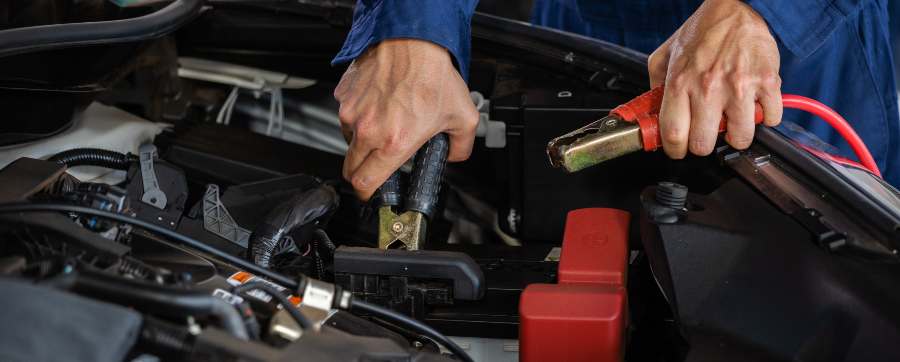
(720, 63)
(394, 98)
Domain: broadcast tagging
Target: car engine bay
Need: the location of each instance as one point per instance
(172, 190)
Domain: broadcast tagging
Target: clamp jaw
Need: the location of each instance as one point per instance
(406, 229)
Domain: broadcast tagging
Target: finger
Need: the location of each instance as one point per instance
(461, 144)
(658, 64)
(375, 170)
(675, 120)
(462, 136)
(770, 100)
(740, 124)
(462, 120)
(356, 154)
(706, 117)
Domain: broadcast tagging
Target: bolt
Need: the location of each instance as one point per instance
(418, 344)
(671, 195)
(397, 227)
(611, 123)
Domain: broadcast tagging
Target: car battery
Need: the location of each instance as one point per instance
(583, 316)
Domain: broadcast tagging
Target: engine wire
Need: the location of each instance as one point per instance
(424, 329)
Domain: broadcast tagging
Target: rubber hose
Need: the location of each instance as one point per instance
(229, 318)
(158, 299)
(301, 209)
(173, 340)
(94, 157)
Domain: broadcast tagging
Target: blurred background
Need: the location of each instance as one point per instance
(513, 9)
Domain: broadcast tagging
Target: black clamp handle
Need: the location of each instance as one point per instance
(389, 192)
(425, 179)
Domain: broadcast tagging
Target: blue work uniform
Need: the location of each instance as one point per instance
(835, 51)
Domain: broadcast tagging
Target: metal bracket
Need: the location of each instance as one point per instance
(318, 299)
(217, 219)
(153, 195)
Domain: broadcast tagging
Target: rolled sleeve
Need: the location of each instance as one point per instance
(444, 22)
(804, 25)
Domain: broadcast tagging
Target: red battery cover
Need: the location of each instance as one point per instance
(582, 317)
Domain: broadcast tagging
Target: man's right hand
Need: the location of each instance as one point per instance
(394, 98)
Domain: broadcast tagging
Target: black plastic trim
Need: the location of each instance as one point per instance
(467, 277)
(147, 27)
(487, 26)
(870, 208)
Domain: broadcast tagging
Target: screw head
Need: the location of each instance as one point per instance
(397, 227)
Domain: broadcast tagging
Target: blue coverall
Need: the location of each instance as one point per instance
(836, 51)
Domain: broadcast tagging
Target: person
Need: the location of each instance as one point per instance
(409, 61)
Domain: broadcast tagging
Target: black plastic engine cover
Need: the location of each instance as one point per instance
(745, 280)
(408, 280)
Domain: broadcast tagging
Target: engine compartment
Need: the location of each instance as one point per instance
(235, 177)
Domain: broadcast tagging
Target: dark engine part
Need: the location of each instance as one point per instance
(301, 209)
(171, 181)
(158, 299)
(99, 196)
(503, 273)
(66, 255)
(304, 206)
(25, 177)
(45, 325)
(749, 281)
(408, 281)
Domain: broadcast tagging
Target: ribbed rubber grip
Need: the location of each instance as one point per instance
(390, 191)
(427, 173)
